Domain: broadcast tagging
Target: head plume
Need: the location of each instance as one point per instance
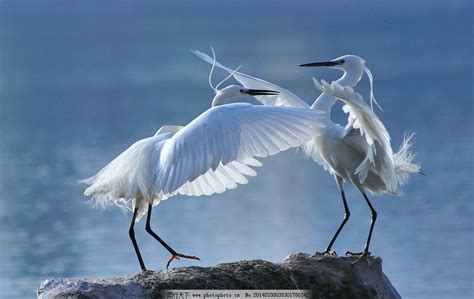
(371, 81)
(216, 88)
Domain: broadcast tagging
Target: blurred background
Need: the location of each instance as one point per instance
(82, 80)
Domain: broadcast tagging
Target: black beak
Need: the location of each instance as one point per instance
(325, 63)
(260, 92)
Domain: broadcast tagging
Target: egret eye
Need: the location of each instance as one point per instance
(342, 61)
(241, 91)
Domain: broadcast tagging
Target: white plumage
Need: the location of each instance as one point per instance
(213, 153)
(360, 152)
(380, 169)
(364, 133)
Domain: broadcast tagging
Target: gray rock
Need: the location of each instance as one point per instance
(326, 277)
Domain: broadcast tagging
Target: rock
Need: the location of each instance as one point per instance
(326, 277)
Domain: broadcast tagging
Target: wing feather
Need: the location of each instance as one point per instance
(215, 182)
(252, 162)
(213, 153)
(366, 134)
(222, 141)
(244, 169)
(208, 189)
(225, 178)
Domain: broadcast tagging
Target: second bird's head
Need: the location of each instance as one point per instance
(231, 93)
(353, 67)
(346, 63)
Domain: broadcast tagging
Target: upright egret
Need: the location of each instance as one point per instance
(213, 153)
(360, 152)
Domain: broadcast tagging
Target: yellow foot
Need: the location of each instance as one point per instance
(177, 256)
(325, 253)
(363, 256)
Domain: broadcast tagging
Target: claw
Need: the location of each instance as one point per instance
(325, 253)
(177, 256)
(363, 256)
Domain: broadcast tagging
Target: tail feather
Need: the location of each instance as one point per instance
(403, 160)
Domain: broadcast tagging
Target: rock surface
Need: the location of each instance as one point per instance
(326, 277)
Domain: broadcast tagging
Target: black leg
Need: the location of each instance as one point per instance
(174, 254)
(365, 255)
(372, 223)
(347, 214)
(151, 232)
(131, 233)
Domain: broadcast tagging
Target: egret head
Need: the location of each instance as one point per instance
(347, 63)
(233, 92)
(230, 93)
(353, 67)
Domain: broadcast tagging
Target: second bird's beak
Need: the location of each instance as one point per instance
(260, 92)
(325, 63)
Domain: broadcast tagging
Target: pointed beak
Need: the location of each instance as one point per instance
(318, 64)
(260, 92)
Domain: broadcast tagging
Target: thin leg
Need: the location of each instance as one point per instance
(366, 253)
(347, 214)
(131, 233)
(174, 254)
(372, 223)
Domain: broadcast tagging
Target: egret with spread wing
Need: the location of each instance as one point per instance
(360, 152)
(213, 153)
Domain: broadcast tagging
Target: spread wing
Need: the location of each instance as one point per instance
(284, 98)
(365, 133)
(216, 151)
(213, 153)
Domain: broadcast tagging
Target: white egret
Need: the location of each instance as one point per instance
(360, 152)
(213, 153)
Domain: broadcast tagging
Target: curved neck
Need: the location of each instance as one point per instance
(351, 78)
(325, 102)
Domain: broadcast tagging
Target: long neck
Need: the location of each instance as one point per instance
(325, 102)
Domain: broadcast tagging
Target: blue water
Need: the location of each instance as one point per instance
(82, 80)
